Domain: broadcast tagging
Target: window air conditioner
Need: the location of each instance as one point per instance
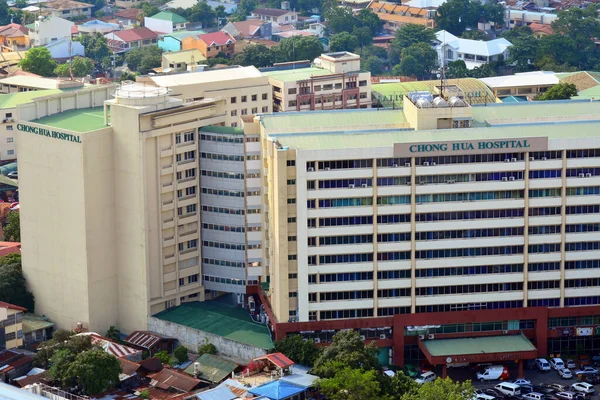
(431, 336)
(513, 159)
(407, 164)
(507, 160)
(511, 178)
(531, 158)
(395, 165)
(426, 163)
(326, 168)
(421, 337)
(363, 337)
(544, 158)
(364, 185)
(581, 175)
(351, 185)
(311, 169)
(316, 340)
(433, 163)
(504, 179)
(588, 175)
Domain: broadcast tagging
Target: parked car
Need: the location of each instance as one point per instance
(492, 373)
(425, 377)
(586, 371)
(593, 379)
(556, 363)
(480, 395)
(542, 364)
(565, 373)
(583, 387)
(571, 364)
(557, 386)
(13, 175)
(527, 389)
(534, 396)
(508, 389)
(522, 381)
(569, 396)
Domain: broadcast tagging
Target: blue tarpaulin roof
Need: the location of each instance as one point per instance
(277, 390)
(219, 393)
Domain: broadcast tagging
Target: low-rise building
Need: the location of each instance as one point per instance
(335, 82)
(165, 22)
(395, 15)
(97, 26)
(151, 342)
(22, 83)
(540, 30)
(36, 329)
(524, 84)
(122, 41)
(14, 37)
(250, 28)
(474, 53)
(129, 16)
(180, 60)
(211, 44)
(65, 48)
(517, 18)
(172, 41)
(69, 9)
(49, 29)
(11, 326)
(281, 17)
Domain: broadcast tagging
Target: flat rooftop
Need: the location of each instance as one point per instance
(298, 74)
(194, 78)
(489, 344)
(82, 120)
(11, 100)
(220, 319)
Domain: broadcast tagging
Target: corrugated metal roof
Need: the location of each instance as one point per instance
(277, 390)
(142, 339)
(212, 368)
(489, 344)
(475, 47)
(117, 350)
(219, 393)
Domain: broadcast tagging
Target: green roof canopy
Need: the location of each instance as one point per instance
(478, 345)
(212, 368)
(169, 16)
(11, 100)
(82, 120)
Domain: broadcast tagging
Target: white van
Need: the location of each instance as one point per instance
(508, 389)
(491, 373)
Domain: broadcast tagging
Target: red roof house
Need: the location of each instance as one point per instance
(211, 44)
(128, 39)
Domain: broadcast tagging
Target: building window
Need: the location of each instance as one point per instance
(188, 137)
(10, 152)
(9, 115)
(233, 100)
(265, 109)
(9, 127)
(254, 110)
(292, 91)
(291, 163)
(291, 201)
(265, 96)
(234, 124)
(193, 278)
(178, 138)
(245, 111)
(234, 113)
(291, 220)
(254, 97)
(244, 99)
(291, 181)
(181, 281)
(291, 238)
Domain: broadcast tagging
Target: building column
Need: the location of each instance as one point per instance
(520, 373)
(445, 371)
(413, 244)
(526, 231)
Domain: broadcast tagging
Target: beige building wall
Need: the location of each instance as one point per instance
(13, 327)
(8, 133)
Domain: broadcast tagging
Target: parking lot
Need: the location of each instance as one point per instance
(535, 376)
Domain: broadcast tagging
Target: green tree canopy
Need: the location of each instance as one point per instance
(425, 57)
(207, 348)
(343, 41)
(60, 362)
(61, 340)
(80, 66)
(38, 60)
(368, 19)
(521, 55)
(455, 16)
(372, 64)
(12, 230)
(95, 46)
(298, 350)
(340, 19)
(300, 48)
(93, 371)
(457, 69)
(13, 288)
(181, 354)
(202, 12)
(363, 35)
(561, 91)
(410, 34)
(346, 350)
(144, 59)
(113, 333)
(258, 55)
(493, 12)
(163, 356)
(351, 384)
(559, 49)
(442, 389)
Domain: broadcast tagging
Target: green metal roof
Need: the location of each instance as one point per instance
(223, 129)
(212, 368)
(7, 183)
(32, 322)
(169, 16)
(11, 100)
(344, 119)
(82, 120)
(221, 319)
(478, 345)
(183, 34)
(590, 93)
(293, 75)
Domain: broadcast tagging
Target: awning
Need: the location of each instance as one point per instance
(478, 349)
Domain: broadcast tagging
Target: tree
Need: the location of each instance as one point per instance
(493, 12)
(561, 91)
(163, 356)
(364, 36)
(350, 384)
(244, 8)
(4, 13)
(144, 59)
(457, 69)
(340, 19)
(60, 363)
(342, 41)
(482, 71)
(409, 66)
(300, 48)
(521, 55)
(113, 333)
(298, 350)
(21, 3)
(144, 394)
(202, 12)
(94, 371)
(61, 340)
(80, 66)
(38, 60)
(127, 76)
(372, 64)
(346, 350)
(95, 46)
(181, 354)
(474, 34)
(580, 24)
(258, 55)
(442, 389)
(426, 60)
(12, 283)
(207, 348)
(411, 34)
(398, 385)
(455, 16)
(368, 19)
(12, 230)
(559, 50)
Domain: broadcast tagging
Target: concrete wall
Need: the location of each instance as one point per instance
(191, 338)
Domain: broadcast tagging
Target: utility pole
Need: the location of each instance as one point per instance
(71, 57)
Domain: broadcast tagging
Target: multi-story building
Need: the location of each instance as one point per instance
(165, 22)
(334, 82)
(474, 53)
(395, 16)
(211, 44)
(121, 41)
(379, 219)
(69, 9)
(11, 326)
(49, 29)
(14, 37)
(245, 89)
(161, 203)
(279, 16)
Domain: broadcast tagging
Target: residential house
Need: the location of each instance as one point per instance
(516, 18)
(211, 44)
(14, 37)
(49, 29)
(394, 15)
(290, 387)
(11, 326)
(128, 39)
(334, 82)
(127, 4)
(128, 17)
(113, 348)
(165, 22)
(277, 15)
(524, 84)
(172, 41)
(69, 9)
(133, 373)
(65, 48)
(36, 329)
(541, 30)
(250, 28)
(179, 60)
(211, 368)
(97, 26)
(20, 83)
(171, 380)
(7, 248)
(14, 364)
(151, 342)
(474, 53)
(230, 6)
(355, 4)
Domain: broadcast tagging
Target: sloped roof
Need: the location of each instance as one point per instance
(169, 16)
(277, 390)
(180, 35)
(218, 393)
(279, 359)
(475, 47)
(135, 34)
(66, 5)
(216, 38)
(117, 350)
(168, 378)
(522, 79)
(302, 380)
(248, 27)
(11, 306)
(128, 13)
(145, 339)
(128, 367)
(543, 28)
(583, 80)
(185, 56)
(271, 12)
(32, 322)
(13, 30)
(212, 368)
